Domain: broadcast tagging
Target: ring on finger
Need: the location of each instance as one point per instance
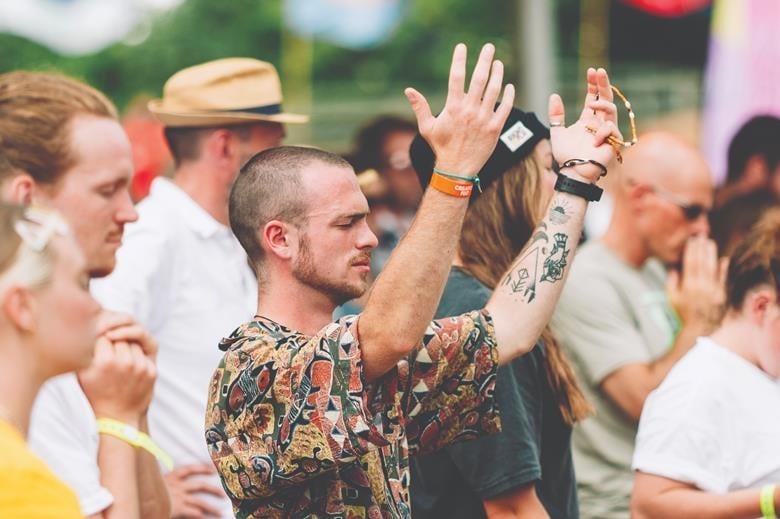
(556, 124)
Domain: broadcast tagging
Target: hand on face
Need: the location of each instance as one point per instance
(698, 292)
(465, 133)
(576, 141)
(120, 381)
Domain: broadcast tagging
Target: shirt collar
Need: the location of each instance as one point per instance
(192, 214)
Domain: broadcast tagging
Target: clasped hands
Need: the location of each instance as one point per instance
(465, 133)
(120, 380)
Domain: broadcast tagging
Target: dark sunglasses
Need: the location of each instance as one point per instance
(690, 211)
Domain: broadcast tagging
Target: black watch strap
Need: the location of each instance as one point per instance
(590, 192)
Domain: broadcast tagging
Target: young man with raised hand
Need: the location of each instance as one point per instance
(312, 417)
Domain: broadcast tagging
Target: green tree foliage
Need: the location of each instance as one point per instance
(200, 30)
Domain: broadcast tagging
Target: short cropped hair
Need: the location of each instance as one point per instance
(757, 137)
(186, 143)
(36, 110)
(269, 188)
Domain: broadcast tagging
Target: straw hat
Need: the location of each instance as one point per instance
(223, 91)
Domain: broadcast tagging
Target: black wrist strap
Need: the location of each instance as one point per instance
(590, 192)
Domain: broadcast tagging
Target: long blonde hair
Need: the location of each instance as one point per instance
(498, 225)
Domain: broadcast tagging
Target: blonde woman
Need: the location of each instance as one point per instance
(47, 327)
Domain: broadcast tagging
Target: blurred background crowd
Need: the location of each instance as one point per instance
(701, 75)
(695, 67)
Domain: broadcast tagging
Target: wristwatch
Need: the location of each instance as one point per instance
(564, 184)
(590, 192)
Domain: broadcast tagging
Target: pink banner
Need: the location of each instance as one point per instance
(743, 73)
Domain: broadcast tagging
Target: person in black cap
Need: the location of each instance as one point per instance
(536, 393)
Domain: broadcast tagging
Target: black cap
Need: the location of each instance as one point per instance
(521, 132)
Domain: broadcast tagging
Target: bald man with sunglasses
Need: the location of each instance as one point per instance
(635, 303)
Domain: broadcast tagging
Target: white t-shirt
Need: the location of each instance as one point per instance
(183, 276)
(63, 432)
(713, 422)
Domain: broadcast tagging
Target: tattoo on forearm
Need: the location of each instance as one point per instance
(520, 280)
(524, 275)
(555, 263)
(540, 234)
(559, 212)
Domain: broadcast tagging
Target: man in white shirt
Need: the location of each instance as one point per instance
(68, 151)
(180, 271)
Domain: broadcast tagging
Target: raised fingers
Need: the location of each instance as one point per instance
(481, 73)
(608, 108)
(592, 87)
(604, 88)
(502, 112)
(493, 87)
(457, 73)
(710, 259)
(555, 111)
(692, 258)
(421, 109)
(723, 271)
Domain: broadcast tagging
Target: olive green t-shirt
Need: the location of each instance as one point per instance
(610, 315)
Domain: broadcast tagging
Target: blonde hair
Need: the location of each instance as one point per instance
(27, 256)
(498, 225)
(36, 110)
(756, 260)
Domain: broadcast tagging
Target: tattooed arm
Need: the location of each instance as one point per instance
(523, 302)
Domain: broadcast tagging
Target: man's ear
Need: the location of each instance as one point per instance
(218, 145)
(638, 194)
(19, 189)
(759, 302)
(279, 239)
(18, 306)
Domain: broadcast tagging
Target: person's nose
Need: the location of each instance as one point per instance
(125, 212)
(367, 239)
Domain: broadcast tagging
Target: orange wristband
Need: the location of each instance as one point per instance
(451, 187)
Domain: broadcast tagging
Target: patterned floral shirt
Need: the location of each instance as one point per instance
(295, 431)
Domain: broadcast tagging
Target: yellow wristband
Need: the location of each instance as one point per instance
(768, 502)
(135, 438)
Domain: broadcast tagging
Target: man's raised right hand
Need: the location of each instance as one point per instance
(465, 133)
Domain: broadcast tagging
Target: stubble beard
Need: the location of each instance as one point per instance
(305, 271)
